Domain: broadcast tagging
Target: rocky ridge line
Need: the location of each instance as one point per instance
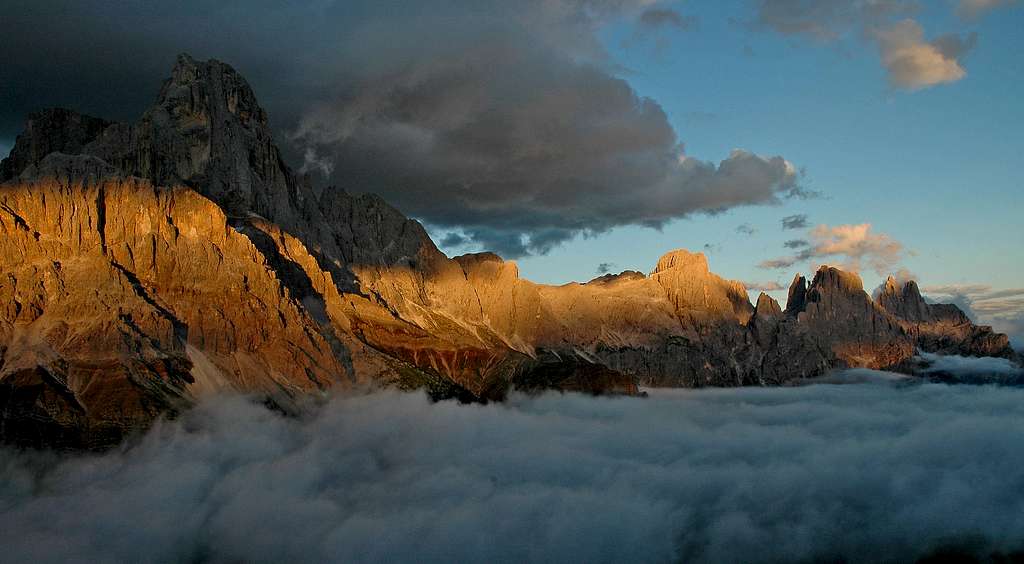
(150, 264)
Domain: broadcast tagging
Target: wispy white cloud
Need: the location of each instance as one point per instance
(974, 9)
(911, 61)
(853, 246)
(771, 286)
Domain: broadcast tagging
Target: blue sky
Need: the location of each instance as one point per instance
(935, 169)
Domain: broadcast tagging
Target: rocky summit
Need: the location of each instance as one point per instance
(149, 264)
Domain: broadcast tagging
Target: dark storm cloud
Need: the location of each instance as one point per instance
(605, 267)
(797, 243)
(798, 221)
(453, 239)
(502, 121)
(887, 470)
(512, 143)
(109, 58)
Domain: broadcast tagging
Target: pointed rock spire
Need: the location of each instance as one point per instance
(766, 307)
(904, 302)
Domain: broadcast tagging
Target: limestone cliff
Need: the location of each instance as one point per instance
(149, 264)
(122, 301)
(940, 328)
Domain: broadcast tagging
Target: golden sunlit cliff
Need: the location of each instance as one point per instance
(147, 265)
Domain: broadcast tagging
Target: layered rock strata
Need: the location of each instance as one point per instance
(146, 265)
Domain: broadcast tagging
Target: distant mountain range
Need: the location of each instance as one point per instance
(147, 265)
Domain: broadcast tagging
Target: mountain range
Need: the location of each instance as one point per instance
(147, 265)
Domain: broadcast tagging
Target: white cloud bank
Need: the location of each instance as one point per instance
(972, 369)
(868, 472)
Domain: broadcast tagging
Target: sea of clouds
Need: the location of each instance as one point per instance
(865, 466)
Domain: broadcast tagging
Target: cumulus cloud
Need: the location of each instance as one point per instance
(798, 221)
(914, 63)
(863, 472)
(523, 149)
(854, 246)
(974, 9)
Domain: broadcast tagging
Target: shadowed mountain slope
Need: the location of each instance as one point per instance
(150, 264)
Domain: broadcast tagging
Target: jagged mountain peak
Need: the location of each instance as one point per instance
(766, 306)
(210, 85)
(891, 286)
(187, 231)
(51, 130)
(623, 276)
(797, 298)
(206, 130)
(904, 301)
(830, 277)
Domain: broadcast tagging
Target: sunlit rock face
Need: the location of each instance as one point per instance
(691, 287)
(941, 328)
(127, 300)
(841, 317)
(146, 265)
